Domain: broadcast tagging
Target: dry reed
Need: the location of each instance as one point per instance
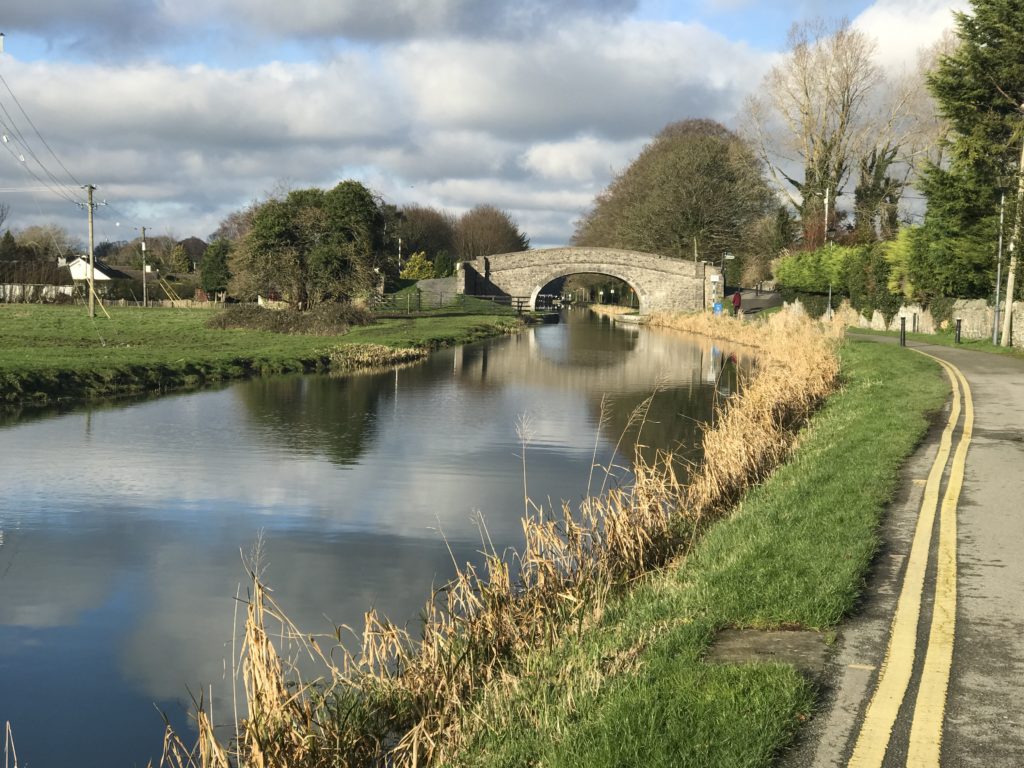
(611, 310)
(405, 701)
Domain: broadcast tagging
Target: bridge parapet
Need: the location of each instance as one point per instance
(661, 283)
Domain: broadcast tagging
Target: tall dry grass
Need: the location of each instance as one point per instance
(611, 310)
(401, 700)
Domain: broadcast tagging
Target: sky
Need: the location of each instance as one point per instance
(182, 111)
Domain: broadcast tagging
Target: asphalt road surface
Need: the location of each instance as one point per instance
(931, 669)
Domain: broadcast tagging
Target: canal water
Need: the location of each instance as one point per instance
(123, 527)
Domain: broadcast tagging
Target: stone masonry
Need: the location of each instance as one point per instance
(662, 284)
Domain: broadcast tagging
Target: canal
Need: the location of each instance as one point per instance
(123, 526)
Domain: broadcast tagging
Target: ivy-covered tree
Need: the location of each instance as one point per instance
(696, 187)
(979, 88)
(311, 246)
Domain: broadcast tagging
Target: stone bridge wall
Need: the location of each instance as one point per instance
(660, 283)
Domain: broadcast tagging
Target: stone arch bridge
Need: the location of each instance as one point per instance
(661, 284)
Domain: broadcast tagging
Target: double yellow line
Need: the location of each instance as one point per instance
(894, 679)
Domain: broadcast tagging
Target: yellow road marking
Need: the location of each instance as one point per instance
(873, 740)
(930, 708)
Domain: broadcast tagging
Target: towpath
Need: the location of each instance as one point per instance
(931, 670)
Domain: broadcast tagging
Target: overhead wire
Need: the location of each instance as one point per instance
(34, 128)
(14, 134)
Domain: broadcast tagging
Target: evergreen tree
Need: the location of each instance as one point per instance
(215, 275)
(8, 247)
(980, 90)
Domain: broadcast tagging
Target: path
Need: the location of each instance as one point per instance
(963, 584)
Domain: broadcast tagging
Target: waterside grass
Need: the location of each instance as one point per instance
(636, 691)
(554, 667)
(51, 354)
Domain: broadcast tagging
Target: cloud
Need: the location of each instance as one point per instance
(902, 28)
(617, 81)
(395, 19)
(534, 125)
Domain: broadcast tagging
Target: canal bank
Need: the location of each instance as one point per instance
(56, 354)
(627, 681)
(642, 686)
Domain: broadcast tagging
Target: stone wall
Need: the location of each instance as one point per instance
(976, 316)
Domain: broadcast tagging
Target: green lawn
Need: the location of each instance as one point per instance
(54, 352)
(634, 689)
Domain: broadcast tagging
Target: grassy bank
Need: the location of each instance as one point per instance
(596, 658)
(53, 353)
(635, 691)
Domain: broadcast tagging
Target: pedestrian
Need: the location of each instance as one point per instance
(736, 299)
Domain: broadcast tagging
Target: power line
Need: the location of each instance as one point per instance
(34, 128)
(13, 132)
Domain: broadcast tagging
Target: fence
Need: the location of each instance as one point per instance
(414, 302)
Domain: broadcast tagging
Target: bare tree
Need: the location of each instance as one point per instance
(808, 121)
(5, 209)
(486, 230)
(428, 230)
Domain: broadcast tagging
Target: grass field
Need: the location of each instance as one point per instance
(635, 691)
(49, 353)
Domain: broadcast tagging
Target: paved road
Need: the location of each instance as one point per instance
(964, 586)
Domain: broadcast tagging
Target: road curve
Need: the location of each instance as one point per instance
(931, 670)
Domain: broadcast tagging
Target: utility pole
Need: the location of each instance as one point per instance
(999, 270)
(92, 260)
(145, 298)
(825, 234)
(1014, 238)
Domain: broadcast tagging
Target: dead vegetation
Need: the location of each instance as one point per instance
(401, 700)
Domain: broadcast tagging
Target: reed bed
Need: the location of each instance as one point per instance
(354, 357)
(400, 700)
(612, 310)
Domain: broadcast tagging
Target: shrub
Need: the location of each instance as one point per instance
(322, 320)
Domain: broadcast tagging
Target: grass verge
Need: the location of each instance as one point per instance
(54, 353)
(634, 691)
(943, 339)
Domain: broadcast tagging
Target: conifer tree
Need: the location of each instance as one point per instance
(980, 90)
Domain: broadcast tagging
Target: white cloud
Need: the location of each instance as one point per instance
(584, 159)
(534, 125)
(902, 28)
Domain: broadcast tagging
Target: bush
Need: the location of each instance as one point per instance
(322, 320)
(417, 268)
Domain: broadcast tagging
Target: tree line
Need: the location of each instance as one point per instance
(310, 246)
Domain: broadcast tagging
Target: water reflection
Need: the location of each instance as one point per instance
(122, 528)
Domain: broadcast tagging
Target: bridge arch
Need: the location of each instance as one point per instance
(641, 297)
(661, 283)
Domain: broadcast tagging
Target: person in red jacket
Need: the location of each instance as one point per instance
(736, 299)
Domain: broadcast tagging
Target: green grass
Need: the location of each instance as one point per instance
(634, 689)
(49, 353)
(945, 339)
